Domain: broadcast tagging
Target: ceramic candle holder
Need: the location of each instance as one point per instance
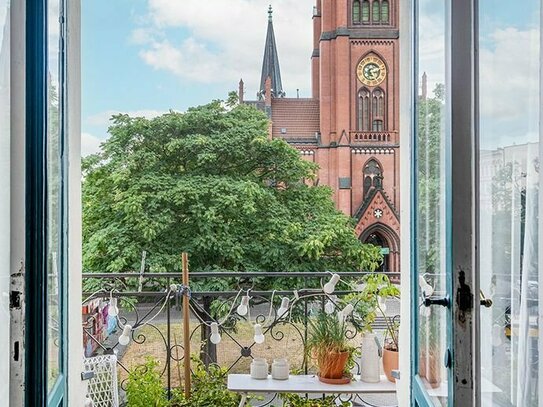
(280, 369)
(259, 369)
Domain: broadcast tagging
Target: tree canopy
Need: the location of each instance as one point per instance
(210, 182)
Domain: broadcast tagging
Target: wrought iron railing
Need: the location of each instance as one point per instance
(155, 319)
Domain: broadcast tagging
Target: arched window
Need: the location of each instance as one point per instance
(363, 110)
(376, 12)
(378, 110)
(365, 11)
(373, 177)
(385, 12)
(377, 239)
(356, 11)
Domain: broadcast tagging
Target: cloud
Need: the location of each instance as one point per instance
(103, 118)
(89, 144)
(225, 40)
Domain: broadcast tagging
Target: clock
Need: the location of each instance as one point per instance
(371, 71)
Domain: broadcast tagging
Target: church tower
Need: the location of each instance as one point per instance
(355, 65)
(349, 126)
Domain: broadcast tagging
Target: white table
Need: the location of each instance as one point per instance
(244, 384)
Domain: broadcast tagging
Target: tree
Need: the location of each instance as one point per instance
(210, 182)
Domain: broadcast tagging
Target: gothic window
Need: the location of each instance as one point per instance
(376, 12)
(365, 11)
(384, 12)
(373, 177)
(363, 110)
(378, 110)
(356, 11)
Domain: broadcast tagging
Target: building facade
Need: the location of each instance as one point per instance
(350, 124)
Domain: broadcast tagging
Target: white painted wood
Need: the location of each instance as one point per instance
(243, 383)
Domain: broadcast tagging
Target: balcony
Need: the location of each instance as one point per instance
(387, 137)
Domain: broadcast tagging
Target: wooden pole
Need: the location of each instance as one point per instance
(186, 325)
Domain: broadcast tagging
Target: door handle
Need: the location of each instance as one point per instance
(429, 301)
(485, 302)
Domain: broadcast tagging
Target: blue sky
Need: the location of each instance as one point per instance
(145, 57)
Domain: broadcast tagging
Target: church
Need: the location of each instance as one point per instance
(349, 126)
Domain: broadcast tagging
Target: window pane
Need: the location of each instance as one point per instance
(376, 11)
(431, 223)
(356, 11)
(384, 12)
(366, 11)
(509, 195)
(54, 201)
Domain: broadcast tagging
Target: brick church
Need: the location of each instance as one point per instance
(349, 126)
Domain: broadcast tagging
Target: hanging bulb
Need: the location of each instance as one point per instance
(215, 337)
(124, 339)
(426, 289)
(330, 286)
(259, 336)
(348, 310)
(113, 310)
(283, 309)
(382, 304)
(243, 308)
(329, 307)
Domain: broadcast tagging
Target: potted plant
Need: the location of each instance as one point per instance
(370, 302)
(328, 345)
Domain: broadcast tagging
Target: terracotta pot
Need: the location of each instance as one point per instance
(332, 365)
(430, 369)
(390, 363)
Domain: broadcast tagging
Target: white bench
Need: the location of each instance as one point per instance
(301, 384)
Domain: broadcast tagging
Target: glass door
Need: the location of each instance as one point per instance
(431, 202)
(509, 219)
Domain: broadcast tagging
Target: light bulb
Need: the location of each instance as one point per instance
(113, 310)
(283, 309)
(124, 339)
(426, 288)
(215, 337)
(243, 308)
(329, 307)
(348, 310)
(259, 336)
(330, 286)
(382, 304)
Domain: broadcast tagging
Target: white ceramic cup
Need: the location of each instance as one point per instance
(259, 369)
(280, 369)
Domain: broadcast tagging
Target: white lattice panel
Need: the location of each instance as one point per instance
(103, 389)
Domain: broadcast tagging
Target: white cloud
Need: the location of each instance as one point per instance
(103, 118)
(226, 40)
(89, 144)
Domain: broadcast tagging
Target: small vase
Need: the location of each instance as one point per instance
(280, 369)
(369, 362)
(259, 369)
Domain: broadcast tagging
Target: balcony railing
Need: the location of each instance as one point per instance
(155, 318)
(387, 137)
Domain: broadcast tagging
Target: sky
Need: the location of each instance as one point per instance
(145, 57)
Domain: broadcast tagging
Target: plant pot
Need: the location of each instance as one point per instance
(332, 365)
(390, 363)
(430, 369)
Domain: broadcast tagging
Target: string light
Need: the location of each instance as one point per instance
(330, 286)
(215, 337)
(345, 312)
(243, 308)
(425, 288)
(259, 336)
(283, 309)
(124, 339)
(113, 310)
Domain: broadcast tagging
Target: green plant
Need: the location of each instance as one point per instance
(376, 288)
(208, 388)
(328, 335)
(294, 400)
(144, 388)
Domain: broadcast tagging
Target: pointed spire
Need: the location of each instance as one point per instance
(270, 65)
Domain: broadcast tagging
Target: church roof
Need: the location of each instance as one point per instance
(295, 119)
(270, 65)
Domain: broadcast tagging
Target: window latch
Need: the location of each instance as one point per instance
(429, 301)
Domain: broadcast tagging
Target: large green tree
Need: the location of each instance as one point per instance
(210, 182)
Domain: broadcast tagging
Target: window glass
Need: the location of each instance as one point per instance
(376, 10)
(384, 12)
(366, 11)
(356, 11)
(509, 169)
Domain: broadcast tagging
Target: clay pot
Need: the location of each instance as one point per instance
(332, 365)
(390, 363)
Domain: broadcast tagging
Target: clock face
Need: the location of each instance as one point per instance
(371, 71)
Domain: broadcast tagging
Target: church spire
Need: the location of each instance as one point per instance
(270, 65)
